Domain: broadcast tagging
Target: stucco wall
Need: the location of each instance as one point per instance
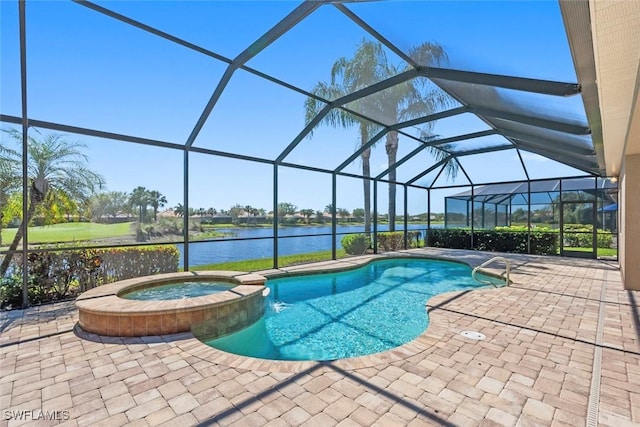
(630, 222)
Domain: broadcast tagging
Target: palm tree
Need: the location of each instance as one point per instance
(402, 102)
(347, 76)
(56, 168)
(178, 210)
(157, 201)
(140, 199)
(406, 101)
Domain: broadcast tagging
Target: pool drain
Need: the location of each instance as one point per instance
(473, 335)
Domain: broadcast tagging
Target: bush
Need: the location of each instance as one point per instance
(125, 263)
(10, 291)
(54, 276)
(355, 244)
(394, 240)
(502, 239)
(579, 236)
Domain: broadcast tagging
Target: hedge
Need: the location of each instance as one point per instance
(543, 242)
(357, 244)
(64, 274)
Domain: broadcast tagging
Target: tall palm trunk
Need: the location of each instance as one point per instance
(391, 147)
(34, 199)
(366, 174)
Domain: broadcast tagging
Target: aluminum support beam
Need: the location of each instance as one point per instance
(591, 167)
(432, 168)
(533, 121)
(546, 87)
(359, 94)
(288, 22)
(550, 141)
(435, 143)
(25, 151)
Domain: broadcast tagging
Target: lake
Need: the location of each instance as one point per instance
(289, 243)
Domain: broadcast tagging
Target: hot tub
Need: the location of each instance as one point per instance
(104, 311)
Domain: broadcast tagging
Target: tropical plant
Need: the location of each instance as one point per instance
(9, 181)
(178, 210)
(408, 100)
(56, 168)
(139, 200)
(401, 102)
(348, 76)
(157, 201)
(307, 213)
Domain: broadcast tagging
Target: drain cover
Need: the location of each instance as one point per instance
(472, 335)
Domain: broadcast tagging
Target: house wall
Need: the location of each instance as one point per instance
(629, 251)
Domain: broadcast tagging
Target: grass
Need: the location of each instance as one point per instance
(267, 263)
(69, 232)
(601, 251)
(607, 252)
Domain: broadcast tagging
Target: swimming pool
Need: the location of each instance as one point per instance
(351, 313)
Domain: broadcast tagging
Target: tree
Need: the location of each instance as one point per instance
(285, 209)
(178, 210)
(140, 198)
(405, 101)
(9, 182)
(358, 213)
(307, 213)
(342, 213)
(329, 208)
(235, 212)
(157, 201)
(108, 204)
(56, 168)
(348, 76)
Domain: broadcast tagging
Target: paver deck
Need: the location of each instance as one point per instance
(562, 348)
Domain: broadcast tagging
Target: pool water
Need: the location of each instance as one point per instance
(180, 290)
(353, 313)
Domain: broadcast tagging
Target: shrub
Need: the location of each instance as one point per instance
(579, 236)
(355, 244)
(10, 291)
(125, 263)
(57, 275)
(502, 239)
(394, 240)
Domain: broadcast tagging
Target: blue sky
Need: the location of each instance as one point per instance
(91, 71)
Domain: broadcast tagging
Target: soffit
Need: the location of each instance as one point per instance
(615, 27)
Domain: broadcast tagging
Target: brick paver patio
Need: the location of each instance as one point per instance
(562, 348)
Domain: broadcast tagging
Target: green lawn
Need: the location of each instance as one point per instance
(267, 263)
(601, 251)
(69, 232)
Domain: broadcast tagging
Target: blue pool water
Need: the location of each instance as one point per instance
(180, 290)
(337, 315)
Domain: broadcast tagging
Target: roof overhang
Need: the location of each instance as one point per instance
(604, 37)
